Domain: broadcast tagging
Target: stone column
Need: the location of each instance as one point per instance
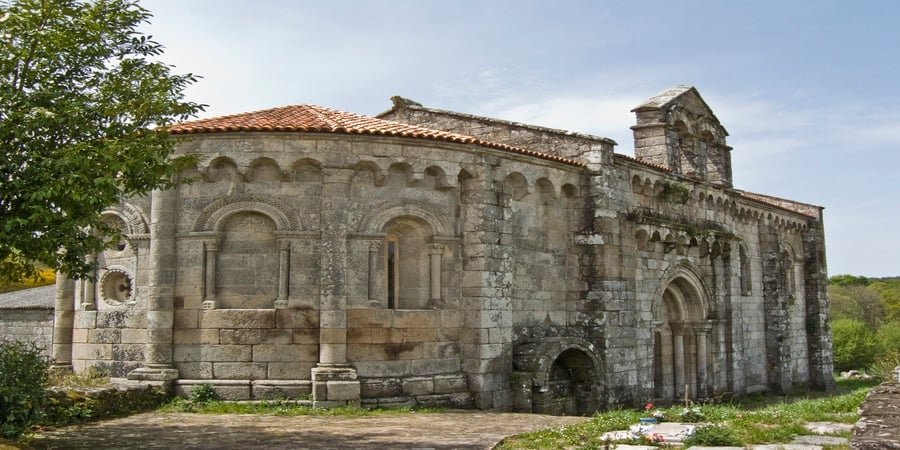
(435, 253)
(284, 274)
(373, 291)
(701, 331)
(89, 287)
(158, 364)
(63, 323)
(210, 257)
(666, 363)
(334, 380)
(678, 359)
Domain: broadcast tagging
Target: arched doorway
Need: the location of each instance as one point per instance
(681, 341)
(558, 376)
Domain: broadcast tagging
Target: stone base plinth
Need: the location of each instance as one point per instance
(153, 372)
(335, 385)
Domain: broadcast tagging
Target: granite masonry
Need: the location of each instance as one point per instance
(444, 258)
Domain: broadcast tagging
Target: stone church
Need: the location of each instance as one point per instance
(443, 258)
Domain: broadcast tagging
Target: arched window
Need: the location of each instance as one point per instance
(407, 264)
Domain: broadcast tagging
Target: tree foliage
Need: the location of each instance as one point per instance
(848, 280)
(854, 344)
(856, 302)
(83, 109)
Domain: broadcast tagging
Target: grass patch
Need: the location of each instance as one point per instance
(91, 378)
(754, 420)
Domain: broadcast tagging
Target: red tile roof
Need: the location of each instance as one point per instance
(317, 119)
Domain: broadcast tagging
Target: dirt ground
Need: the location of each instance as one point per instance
(445, 430)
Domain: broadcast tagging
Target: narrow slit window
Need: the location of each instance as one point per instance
(392, 258)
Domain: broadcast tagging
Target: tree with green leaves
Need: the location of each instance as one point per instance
(84, 103)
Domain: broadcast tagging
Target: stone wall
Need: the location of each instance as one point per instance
(27, 316)
(28, 325)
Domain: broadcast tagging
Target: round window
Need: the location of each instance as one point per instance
(115, 286)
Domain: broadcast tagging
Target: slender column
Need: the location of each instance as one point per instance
(211, 252)
(334, 381)
(373, 294)
(435, 252)
(284, 274)
(702, 333)
(160, 298)
(678, 359)
(89, 293)
(63, 323)
(665, 362)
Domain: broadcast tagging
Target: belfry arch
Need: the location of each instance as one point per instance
(681, 339)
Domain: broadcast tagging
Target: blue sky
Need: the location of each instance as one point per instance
(808, 90)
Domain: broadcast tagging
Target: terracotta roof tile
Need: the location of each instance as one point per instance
(805, 209)
(317, 119)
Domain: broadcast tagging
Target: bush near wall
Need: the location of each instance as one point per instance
(23, 382)
(68, 406)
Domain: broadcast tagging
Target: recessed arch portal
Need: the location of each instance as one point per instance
(681, 339)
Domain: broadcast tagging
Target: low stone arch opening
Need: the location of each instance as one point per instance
(556, 377)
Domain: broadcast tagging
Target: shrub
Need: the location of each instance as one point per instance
(23, 383)
(888, 338)
(854, 344)
(885, 366)
(204, 393)
(718, 435)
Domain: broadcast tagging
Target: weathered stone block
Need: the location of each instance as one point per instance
(369, 318)
(298, 370)
(80, 335)
(435, 366)
(274, 389)
(187, 318)
(451, 319)
(197, 336)
(92, 351)
(444, 384)
(297, 318)
(285, 353)
(343, 390)
(418, 386)
(85, 319)
(239, 371)
(305, 336)
(369, 335)
(134, 336)
(381, 388)
(237, 318)
(128, 352)
(255, 336)
(397, 368)
(212, 353)
(202, 370)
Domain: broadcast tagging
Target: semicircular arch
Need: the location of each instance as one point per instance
(375, 222)
(682, 281)
(213, 217)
